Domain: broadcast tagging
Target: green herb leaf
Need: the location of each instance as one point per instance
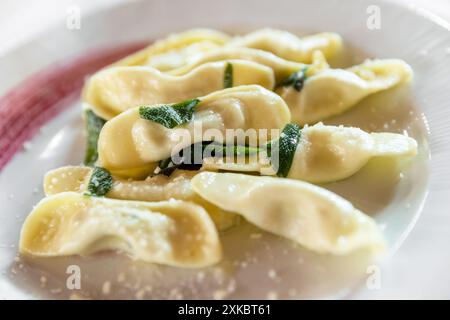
(100, 182)
(228, 76)
(243, 150)
(296, 80)
(285, 148)
(167, 167)
(171, 115)
(191, 158)
(163, 164)
(235, 151)
(94, 125)
(169, 170)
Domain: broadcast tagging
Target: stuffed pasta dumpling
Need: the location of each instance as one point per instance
(116, 89)
(323, 153)
(331, 92)
(134, 139)
(175, 233)
(175, 50)
(289, 46)
(307, 214)
(154, 188)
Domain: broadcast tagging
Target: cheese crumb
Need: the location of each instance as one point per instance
(77, 296)
(200, 276)
(272, 295)
(175, 294)
(43, 280)
(121, 277)
(106, 288)
(27, 145)
(272, 274)
(220, 294)
(140, 294)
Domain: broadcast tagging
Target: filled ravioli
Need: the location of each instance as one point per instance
(154, 188)
(309, 215)
(175, 232)
(281, 68)
(182, 48)
(140, 137)
(289, 46)
(320, 153)
(116, 89)
(175, 50)
(314, 96)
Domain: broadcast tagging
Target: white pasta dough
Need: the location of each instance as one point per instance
(290, 47)
(173, 51)
(175, 233)
(116, 89)
(176, 58)
(156, 188)
(183, 48)
(128, 141)
(309, 215)
(282, 68)
(328, 153)
(330, 92)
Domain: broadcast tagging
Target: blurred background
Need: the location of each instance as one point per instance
(21, 19)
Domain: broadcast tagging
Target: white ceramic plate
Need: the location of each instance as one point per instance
(267, 267)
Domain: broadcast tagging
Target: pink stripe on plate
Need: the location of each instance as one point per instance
(43, 95)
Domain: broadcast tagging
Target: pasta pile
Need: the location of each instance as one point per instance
(131, 193)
